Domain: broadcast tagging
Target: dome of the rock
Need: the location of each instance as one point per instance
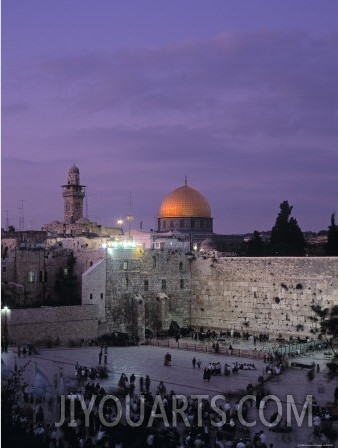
(185, 202)
(185, 210)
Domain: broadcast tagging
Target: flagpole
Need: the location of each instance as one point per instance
(40, 386)
(34, 396)
(57, 395)
(59, 392)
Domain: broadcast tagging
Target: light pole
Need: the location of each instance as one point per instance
(5, 334)
(129, 219)
(105, 248)
(132, 317)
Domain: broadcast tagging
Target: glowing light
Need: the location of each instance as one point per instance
(104, 245)
(124, 244)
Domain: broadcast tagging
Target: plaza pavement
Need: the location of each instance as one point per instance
(183, 379)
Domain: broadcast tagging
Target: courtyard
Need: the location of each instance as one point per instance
(182, 378)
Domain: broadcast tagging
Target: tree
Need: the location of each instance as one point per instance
(328, 330)
(255, 246)
(286, 236)
(12, 385)
(332, 238)
(67, 285)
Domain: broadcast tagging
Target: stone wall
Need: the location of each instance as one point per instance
(133, 289)
(157, 276)
(262, 295)
(94, 288)
(35, 269)
(62, 324)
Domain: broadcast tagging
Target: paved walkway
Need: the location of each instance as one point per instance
(184, 379)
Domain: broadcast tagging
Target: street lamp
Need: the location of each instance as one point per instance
(5, 334)
(132, 316)
(129, 219)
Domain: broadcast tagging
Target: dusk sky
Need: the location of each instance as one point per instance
(239, 96)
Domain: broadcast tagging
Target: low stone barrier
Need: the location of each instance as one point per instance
(301, 365)
(206, 348)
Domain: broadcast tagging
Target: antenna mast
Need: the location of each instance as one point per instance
(7, 220)
(86, 196)
(21, 217)
(130, 217)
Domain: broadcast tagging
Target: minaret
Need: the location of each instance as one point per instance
(73, 194)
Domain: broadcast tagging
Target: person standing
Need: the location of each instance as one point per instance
(194, 362)
(100, 357)
(147, 384)
(316, 425)
(141, 384)
(336, 395)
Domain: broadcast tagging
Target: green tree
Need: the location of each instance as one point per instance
(328, 330)
(12, 385)
(332, 238)
(67, 287)
(255, 246)
(286, 236)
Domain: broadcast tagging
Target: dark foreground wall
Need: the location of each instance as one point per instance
(64, 324)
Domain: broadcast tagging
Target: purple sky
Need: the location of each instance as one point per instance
(239, 96)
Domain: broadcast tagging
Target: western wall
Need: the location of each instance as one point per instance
(137, 289)
(147, 289)
(262, 295)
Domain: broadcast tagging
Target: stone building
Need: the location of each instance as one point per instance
(74, 222)
(32, 262)
(73, 194)
(136, 288)
(186, 210)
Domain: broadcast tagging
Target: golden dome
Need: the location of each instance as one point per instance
(185, 202)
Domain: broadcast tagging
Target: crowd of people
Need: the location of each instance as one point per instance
(215, 368)
(197, 433)
(142, 389)
(82, 373)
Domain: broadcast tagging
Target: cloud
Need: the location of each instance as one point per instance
(251, 118)
(270, 81)
(15, 108)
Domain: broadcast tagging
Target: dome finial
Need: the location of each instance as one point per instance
(186, 180)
